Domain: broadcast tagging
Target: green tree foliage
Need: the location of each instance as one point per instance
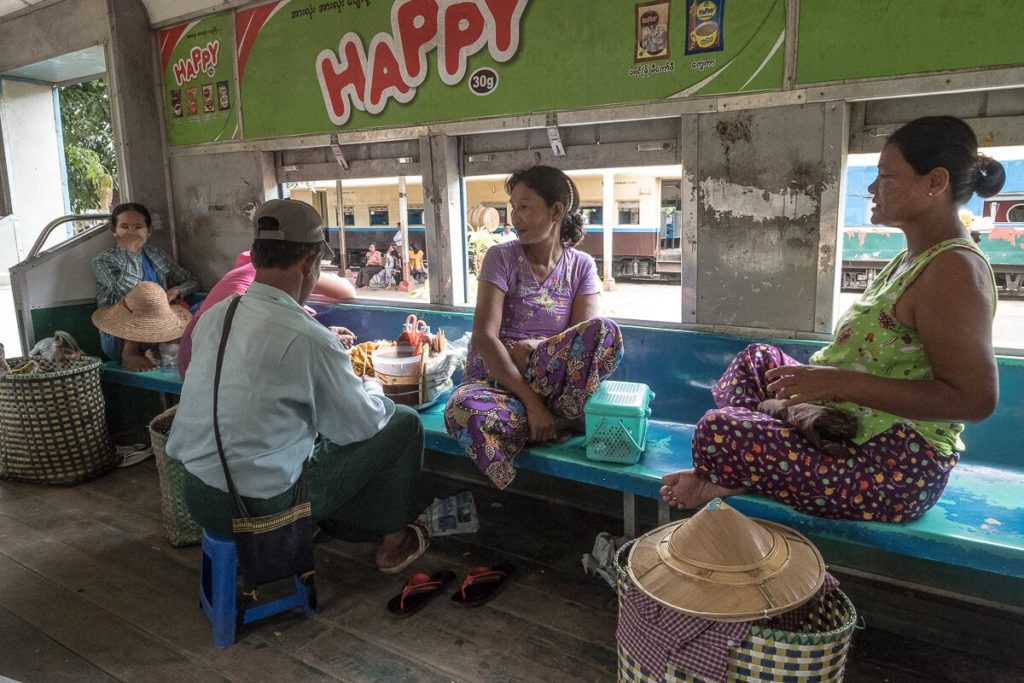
(88, 142)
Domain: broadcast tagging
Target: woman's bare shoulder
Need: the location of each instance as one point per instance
(955, 277)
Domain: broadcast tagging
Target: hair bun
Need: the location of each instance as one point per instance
(572, 228)
(990, 176)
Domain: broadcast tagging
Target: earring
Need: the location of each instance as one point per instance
(930, 194)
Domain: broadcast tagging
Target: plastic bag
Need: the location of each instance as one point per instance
(46, 348)
(60, 348)
(601, 560)
(452, 515)
(459, 349)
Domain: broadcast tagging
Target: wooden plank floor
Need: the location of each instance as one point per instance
(91, 591)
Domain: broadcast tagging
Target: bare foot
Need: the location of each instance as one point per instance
(394, 548)
(824, 427)
(687, 490)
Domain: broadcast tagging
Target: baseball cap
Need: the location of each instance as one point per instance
(289, 220)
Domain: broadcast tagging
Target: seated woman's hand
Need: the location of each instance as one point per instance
(521, 353)
(795, 384)
(173, 294)
(541, 421)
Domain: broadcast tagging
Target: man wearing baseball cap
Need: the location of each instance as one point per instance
(288, 395)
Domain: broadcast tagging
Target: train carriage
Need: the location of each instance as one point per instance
(716, 148)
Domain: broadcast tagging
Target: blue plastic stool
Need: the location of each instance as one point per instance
(217, 591)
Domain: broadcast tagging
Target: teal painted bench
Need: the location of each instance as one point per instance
(978, 522)
(164, 381)
(977, 525)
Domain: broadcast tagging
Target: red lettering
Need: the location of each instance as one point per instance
(505, 15)
(463, 35)
(414, 23)
(196, 57)
(343, 82)
(190, 70)
(214, 48)
(385, 76)
(179, 71)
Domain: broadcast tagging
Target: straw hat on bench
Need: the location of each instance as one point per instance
(723, 566)
(143, 315)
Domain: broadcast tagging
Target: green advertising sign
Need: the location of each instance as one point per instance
(325, 66)
(200, 102)
(880, 38)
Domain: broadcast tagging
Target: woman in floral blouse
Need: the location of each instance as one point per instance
(538, 351)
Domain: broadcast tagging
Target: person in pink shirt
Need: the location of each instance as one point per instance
(372, 265)
(236, 281)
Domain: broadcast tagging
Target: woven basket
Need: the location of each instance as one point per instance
(179, 526)
(53, 423)
(815, 654)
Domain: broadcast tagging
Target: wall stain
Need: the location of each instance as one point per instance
(731, 131)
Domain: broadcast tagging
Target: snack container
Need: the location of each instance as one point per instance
(616, 419)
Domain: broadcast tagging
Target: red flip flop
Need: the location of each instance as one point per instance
(417, 592)
(481, 583)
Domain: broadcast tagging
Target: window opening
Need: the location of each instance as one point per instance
(629, 213)
(371, 214)
(645, 269)
(379, 215)
(995, 223)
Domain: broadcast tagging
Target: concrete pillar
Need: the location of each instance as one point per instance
(442, 204)
(608, 226)
(403, 216)
(339, 196)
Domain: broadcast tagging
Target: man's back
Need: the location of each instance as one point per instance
(285, 379)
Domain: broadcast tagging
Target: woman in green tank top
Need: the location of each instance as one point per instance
(870, 428)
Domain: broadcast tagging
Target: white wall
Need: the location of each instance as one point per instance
(29, 125)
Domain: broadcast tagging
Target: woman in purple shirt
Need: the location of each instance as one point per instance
(538, 351)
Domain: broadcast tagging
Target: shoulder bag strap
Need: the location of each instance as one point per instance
(232, 491)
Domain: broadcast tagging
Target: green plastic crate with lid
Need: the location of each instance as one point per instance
(616, 419)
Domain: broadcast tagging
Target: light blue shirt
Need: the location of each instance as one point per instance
(285, 379)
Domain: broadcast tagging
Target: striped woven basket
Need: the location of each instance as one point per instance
(53, 423)
(815, 654)
(179, 526)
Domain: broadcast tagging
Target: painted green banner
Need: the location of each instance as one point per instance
(841, 41)
(200, 98)
(326, 66)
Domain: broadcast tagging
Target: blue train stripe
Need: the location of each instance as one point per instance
(377, 228)
(621, 228)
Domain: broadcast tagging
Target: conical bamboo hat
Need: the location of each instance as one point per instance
(143, 315)
(724, 566)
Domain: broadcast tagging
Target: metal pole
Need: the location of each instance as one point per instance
(343, 256)
(403, 213)
(607, 228)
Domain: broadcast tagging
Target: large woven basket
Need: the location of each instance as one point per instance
(53, 423)
(179, 526)
(814, 654)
